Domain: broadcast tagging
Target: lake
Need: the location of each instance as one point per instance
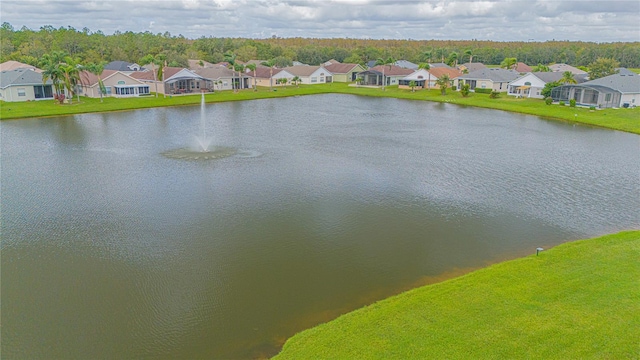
(111, 249)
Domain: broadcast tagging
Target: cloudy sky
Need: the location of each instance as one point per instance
(500, 20)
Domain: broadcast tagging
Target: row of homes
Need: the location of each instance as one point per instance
(21, 82)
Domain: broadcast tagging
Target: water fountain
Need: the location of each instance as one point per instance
(201, 149)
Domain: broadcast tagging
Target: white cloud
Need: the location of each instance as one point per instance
(501, 20)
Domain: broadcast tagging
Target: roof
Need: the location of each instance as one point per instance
(565, 67)
(624, 83)
(12, 65)
(473, 66)
(406, 64)
(195, 64)
(90, 79)
(392, 70)
(303, 70)
(215, 72)
(523, 68)
(440, 71)
(338, 68)
(21, 77)
(493, 74)
(332, 61)
(438, 65)
(120, 66)
(263, 72)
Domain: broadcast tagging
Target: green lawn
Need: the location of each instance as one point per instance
(619, 119)
(579, 300)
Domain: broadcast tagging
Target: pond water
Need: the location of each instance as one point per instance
(325, 203)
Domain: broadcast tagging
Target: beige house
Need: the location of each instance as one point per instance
(267, 77)
(175, 81)
(116, 84)
(309, 74)
(222, 78)
(343, 72)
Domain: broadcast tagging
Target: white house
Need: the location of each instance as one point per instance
(310, 74)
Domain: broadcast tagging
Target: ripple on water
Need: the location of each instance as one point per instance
(217, 152)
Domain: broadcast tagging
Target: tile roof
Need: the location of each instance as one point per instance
(565, 67)
(338, 68)
(474, 66)
(523, 68)
(440, 71)
(195, 64)
(89, 79)
(263, 72)
(302, 70)
(215, 72)
(12, 65)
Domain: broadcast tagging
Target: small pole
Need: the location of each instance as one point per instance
(538, 250)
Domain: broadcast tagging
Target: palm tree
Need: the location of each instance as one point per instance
(230, 58)
(153, 60)
(97, 69)
(252, 67)
(270, 63)
(452, 60)
(296, 80)
(541, 68)
(239, 68)
(412, 85)
(388, 62)
(427, 55)
(469, 53)
(567, 78)
(71, 76)
(509, 63)
(50, 64)
(443, 82)
(426, 67)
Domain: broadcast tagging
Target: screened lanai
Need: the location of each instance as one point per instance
(587, 95)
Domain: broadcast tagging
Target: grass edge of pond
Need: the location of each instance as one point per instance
(577, 300)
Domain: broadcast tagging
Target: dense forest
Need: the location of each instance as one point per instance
(28, 46)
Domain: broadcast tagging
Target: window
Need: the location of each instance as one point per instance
(483, 85)
(22, 92)
(314, 79)
(527, 83)
(607, 97)
(321, 79)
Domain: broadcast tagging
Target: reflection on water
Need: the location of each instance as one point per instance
(110, 249)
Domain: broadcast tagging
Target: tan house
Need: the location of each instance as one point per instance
(220, 77)
(175, 81)
(343, 72)
(309, 74)
(267, 77)
(116, 84)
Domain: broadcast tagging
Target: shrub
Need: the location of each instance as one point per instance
(572, 103)
(592, 108)
(483, 91)
(561, 103)
(548, 101)
(464, 90)
(494, 95)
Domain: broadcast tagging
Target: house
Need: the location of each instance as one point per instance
(268, 77)
(390, 74)
(490, 78)
(617, 90)
(439, 65)
(427, 78)
(310, 74)
(13, 65)
(470, 67)
(123, 66)
(23, 84)
(176, 81)
(564, 67)
(116, 84)
(220, 77)
(343, 72)
(530, 85)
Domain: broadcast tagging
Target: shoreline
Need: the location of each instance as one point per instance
(626, 120)
(546, 305)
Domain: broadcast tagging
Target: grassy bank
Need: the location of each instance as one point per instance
(620, 119)
(579, 300)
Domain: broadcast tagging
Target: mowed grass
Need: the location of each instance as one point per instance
(619, 119)
(579, 300)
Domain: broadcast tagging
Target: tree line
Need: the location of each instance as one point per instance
(29, 46)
